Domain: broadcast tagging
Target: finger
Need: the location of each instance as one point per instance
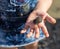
(36, 31)
(50, 19)
(25, 28)
(23, 31)
(30, 33)
(39, 25)
(44, 29)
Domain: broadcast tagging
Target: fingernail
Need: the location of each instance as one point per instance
(54, 21)
(47, 35)
(28, 36)
(23, 31)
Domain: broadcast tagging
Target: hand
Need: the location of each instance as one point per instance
(35, 27)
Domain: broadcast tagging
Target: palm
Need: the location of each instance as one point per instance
(35, 27)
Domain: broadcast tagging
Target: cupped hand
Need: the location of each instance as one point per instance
(35, 27)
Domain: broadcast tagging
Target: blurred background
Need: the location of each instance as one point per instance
(53, 42)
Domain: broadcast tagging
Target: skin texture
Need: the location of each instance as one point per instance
(40, 11)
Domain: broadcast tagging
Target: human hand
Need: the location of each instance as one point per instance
(35, 27)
